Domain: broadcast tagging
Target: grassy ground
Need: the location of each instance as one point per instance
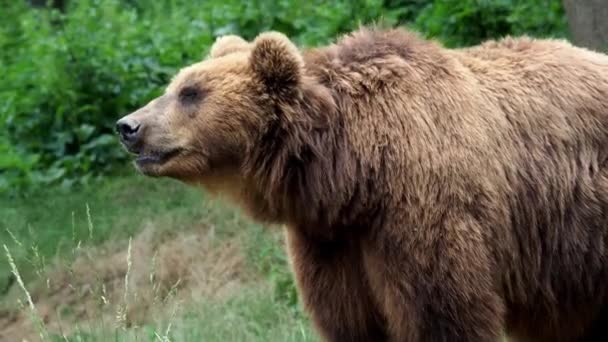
(136, 259)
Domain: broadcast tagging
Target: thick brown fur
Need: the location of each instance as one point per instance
(429, 194)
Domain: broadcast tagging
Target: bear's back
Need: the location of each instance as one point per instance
(516, 131)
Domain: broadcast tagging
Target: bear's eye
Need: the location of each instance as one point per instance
(189, 94)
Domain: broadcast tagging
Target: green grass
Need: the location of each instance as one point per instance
(250, 316)
(44, 228)
(52, 221)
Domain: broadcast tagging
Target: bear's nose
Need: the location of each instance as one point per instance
(128, 130)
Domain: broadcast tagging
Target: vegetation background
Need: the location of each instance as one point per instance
(94, 252)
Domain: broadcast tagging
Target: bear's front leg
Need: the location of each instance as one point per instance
(334, 288)
(436, 283)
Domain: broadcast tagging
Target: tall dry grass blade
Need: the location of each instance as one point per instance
(168, 330)
(122, 312)
(73, 227)
(90, 222)
(10, 233)
(33, 312)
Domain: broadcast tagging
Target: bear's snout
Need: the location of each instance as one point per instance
(129, 131)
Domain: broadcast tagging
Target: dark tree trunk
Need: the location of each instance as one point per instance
(588, 21)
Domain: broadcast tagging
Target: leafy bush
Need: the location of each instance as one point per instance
(467, 22)
(67, 76)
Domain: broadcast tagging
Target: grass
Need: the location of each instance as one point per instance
(50, 222)
(200, 270)
(250, 316)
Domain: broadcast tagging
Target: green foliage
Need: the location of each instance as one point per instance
(468, 22)
(67, 76)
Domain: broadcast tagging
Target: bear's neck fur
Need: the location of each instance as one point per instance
(302, 172)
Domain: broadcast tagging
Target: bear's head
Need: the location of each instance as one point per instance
(244, 120)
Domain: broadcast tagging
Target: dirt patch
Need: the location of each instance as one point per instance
(124, 286)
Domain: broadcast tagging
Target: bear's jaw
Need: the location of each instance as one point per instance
(151, 163)
(156, 157)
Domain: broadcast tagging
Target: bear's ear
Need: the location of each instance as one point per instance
(276, 61)
(225, 45)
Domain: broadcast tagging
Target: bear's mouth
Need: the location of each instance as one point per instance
(156, 157)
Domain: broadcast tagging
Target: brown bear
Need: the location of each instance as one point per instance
(428, 194)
